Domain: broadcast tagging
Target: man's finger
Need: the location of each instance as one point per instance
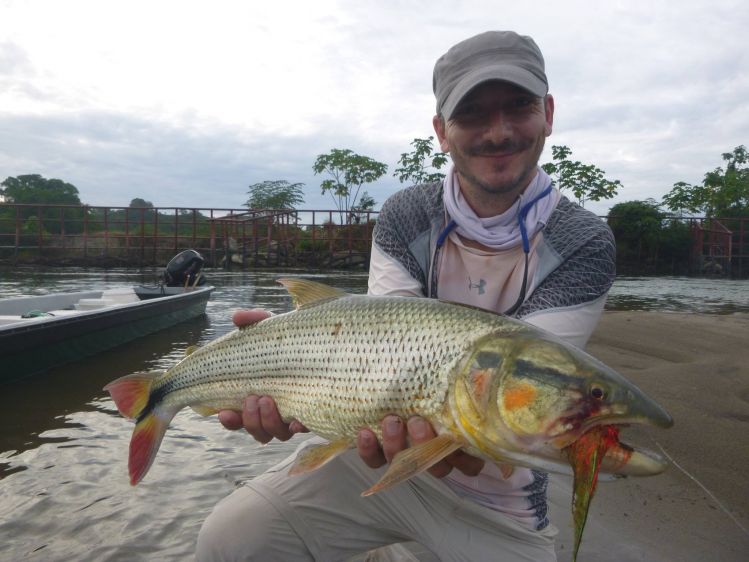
(297, 427)
(246, 317)
(251, 420)
(467, 464)
(369, 449)
(393, 436)
(271, 419)
(420, 431)
(230, 419)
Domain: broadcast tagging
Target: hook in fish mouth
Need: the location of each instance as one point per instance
(622, 459)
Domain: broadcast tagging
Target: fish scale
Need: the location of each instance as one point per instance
(338, 366)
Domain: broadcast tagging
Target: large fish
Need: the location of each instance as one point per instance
(496, 387)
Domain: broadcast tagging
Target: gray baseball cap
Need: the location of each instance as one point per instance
(493, 55)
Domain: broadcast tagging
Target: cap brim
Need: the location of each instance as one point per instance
(505, 73)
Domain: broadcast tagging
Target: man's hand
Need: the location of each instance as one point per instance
(395, 437)
(261, 419)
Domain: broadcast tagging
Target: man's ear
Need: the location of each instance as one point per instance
(439, 127)
(549, 110)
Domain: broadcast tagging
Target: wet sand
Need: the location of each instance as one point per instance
(697, 367)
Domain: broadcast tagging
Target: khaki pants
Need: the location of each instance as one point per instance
(321, 516)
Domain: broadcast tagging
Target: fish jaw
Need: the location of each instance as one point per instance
(624, 460)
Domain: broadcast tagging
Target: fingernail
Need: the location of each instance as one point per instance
(417, 427)
(250, 404)
(295, 427)
(393, 426)
(365, 439)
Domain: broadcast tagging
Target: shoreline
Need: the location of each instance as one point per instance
(697, 367)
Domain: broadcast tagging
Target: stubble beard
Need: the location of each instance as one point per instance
(515, 184)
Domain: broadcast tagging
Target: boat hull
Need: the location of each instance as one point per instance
(32, 348)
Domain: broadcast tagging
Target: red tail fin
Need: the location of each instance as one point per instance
(131, 394)
(145, 443)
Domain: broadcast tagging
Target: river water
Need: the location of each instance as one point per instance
(64, 491)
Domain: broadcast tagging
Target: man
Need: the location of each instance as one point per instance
(494, 234)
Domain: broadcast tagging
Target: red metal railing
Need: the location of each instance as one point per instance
(148, 236)
(721, 245)
(272, 237)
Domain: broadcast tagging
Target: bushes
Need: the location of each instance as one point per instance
(648, 241)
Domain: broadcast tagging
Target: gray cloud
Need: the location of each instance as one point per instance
(113, 157)
(653, 93)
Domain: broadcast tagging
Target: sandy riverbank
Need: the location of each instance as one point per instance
(697, 367)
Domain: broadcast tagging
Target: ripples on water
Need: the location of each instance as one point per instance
(679, 294)
(64, 492)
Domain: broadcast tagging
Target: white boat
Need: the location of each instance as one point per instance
(40, 332)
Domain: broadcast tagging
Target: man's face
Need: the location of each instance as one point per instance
(495, 137)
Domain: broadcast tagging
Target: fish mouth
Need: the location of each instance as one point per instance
(622, 459)
(576, 425)
(641, 413)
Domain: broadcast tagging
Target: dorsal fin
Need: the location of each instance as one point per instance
(190, 350)
(305, 293)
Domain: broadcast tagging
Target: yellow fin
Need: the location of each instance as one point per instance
(304, 292)
(191, 349)
(131, 392)
(414, 460)
(315, 457)
(204, 410)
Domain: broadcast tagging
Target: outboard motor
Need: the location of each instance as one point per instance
(184, 270)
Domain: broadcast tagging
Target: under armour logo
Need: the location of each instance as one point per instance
(480, 285)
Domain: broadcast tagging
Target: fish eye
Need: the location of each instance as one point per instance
(597, 392)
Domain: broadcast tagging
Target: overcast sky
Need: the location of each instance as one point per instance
(188, 103)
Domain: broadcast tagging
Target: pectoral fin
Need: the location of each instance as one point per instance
(314, 457)
(414, 460)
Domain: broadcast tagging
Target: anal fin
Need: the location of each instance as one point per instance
(204, 410)
(414, 460)
(314, 457)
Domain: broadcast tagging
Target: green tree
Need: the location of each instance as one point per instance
(684, 198)
(635, 225)
(586, 181)
(36, 189)
(359, 211)
(724, 192)
(140, 203)
(348, 171)
(278, 194)
(422, 164)
(140, 210)
(648, 241)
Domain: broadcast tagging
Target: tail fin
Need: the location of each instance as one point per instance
(131, 395)
(145, 442)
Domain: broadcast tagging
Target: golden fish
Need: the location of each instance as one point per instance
(496, 387)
